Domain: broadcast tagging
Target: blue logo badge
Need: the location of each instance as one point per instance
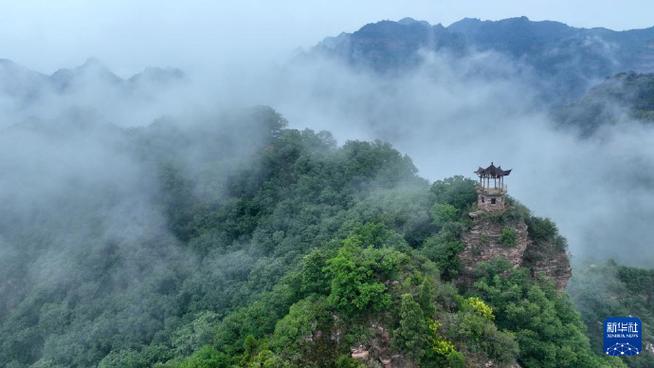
(623, 336)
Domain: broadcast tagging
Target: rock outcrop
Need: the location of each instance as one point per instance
(496, 234)
(548, 260)
(485, 241)
(378, 353)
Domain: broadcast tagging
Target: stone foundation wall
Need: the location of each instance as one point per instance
(491, 200)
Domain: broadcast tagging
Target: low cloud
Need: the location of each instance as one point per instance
(450, 116)
(453, 115)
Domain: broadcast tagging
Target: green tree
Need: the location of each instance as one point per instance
(345, 361)
(313, 275)
(541, 229)
(206, 357)
(444, 250)
(411, 335)
(456, 191)
(356, 275)
(426, 298)
(442, 213)
(555, 338)
(123, 358)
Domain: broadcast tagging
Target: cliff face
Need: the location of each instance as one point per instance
(547, 259)
(484, 240)
(502, 234)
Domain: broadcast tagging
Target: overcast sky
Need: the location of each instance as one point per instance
(129, 35)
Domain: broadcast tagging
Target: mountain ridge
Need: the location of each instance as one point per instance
(619, 99)
(19, 81)
(573, 58)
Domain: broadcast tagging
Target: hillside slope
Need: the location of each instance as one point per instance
(232, 241)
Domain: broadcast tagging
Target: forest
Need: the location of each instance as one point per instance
(291, 184)
(286, 250)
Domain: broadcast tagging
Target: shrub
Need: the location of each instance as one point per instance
(541, 229)
(345, 361)
(457, 191)
(444, 252)
(480, 307)
(508, 237)
(443, 213)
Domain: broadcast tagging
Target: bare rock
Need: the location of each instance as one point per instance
(360, 352)
(483, 242)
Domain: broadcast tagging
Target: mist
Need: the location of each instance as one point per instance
(83, 196)
(453, 115)
(450, 115)
(200, 33)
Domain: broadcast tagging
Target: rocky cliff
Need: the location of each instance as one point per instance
(517, 237)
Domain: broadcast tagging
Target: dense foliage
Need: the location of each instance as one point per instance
(604, 290)
(276, 248)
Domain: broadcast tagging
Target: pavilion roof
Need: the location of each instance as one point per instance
(492, 171)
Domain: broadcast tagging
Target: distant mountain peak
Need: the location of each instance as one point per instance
(17, 81)
(411, 21)
(522, 18)
(6, 62)
(92, 62)
(95, 66)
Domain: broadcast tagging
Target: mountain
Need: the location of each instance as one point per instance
(26, 87)
(622, 98)
(90, 92)
(570, 58)
(92, 70)
(222, 240)
(19, 82)
(388, 45)
(233, 241)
